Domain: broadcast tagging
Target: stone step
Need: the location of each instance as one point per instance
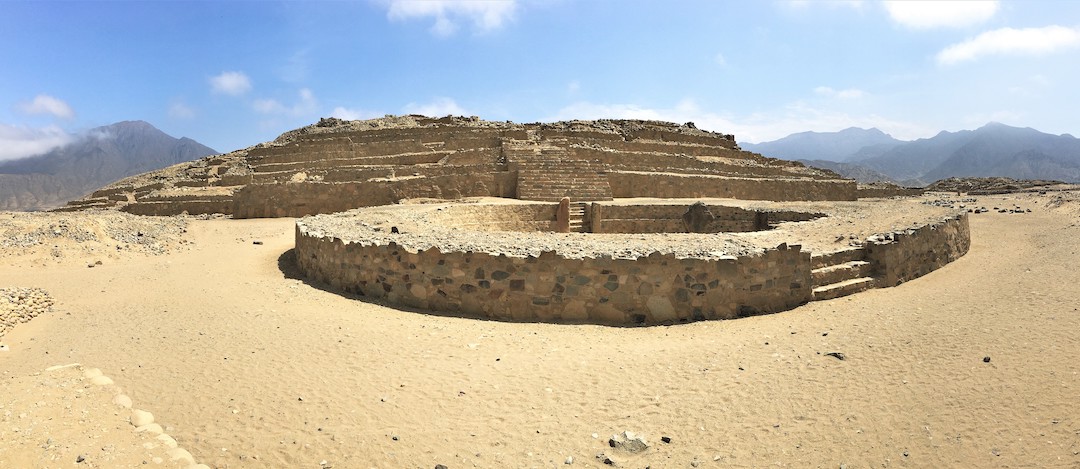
(839, 289)
(840, 272)
(837, 257)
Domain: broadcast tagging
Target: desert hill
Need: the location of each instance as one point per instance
(101, 156)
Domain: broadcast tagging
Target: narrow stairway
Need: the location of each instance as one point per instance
(577, 217)
(840, 273)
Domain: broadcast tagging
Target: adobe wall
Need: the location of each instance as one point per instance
(486, 217)
(666, 185)
(901, 256)
(658, 289)
(875, 192)
(668, 218)
(297, 199)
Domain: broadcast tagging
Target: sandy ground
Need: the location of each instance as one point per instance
(247, 366)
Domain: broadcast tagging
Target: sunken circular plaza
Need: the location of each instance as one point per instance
(626, 262)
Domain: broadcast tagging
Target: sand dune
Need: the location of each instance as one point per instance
(247, 366)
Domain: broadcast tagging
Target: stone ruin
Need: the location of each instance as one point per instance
(566, 243)
(337, 165)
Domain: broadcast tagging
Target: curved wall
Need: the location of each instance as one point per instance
(658, 289)
(655, 289)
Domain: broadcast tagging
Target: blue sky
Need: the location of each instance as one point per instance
(233, 74)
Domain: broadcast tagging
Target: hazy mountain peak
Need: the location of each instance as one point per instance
(832, 146)
(97, 157)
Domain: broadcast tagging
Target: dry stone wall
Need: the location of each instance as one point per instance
(670, 185)
(669, 218)
(550, 287)
(658, 289)
(307, 198)
(904, 255)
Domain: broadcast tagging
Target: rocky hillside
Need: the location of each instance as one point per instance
(994, 150)
(101, 156)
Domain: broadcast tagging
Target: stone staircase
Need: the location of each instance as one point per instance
(577, 217)
(549, 174)
(839, 273)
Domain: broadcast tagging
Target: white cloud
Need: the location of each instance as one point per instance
(573, 87)
(21, 142)
(485, 15)
(1009, 41)
(941, 14)
(438, 107)
(758, 127)
(306, 104)
(231, 83)
(353, 114)
(720, 60)
(850, 93)
(180, 110)
(45, 104)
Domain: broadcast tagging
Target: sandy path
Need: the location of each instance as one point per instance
(249, 368)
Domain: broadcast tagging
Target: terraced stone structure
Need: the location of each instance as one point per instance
(605, 256)
(337, 165)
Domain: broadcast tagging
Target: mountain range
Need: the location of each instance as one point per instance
(995, 149)
(98, 157)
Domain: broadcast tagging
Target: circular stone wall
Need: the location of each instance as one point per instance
(466, 259)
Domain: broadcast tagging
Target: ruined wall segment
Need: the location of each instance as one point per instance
(901, 256)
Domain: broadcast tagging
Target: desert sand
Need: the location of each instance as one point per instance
(245, 365)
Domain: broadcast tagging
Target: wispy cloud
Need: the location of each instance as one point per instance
(20, 142)
(1009, 41)
(45, 104)
(850, 93)
(941, 13)
(306, 104)
(353, 114)
(436, 108)
(485, 15)
(230, 83)
(720, 60)
(180, 110)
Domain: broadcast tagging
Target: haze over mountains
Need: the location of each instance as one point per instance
(992, 150)
(103, 155)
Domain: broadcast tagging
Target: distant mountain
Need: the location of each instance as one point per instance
(101, 156)
(1020, 153)
(994, 150)
(857, 172)
(831, 146)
